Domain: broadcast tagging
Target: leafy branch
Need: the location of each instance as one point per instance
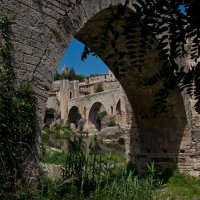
(155, 24)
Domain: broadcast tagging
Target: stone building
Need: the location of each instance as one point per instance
(61, 91)
(68, 97)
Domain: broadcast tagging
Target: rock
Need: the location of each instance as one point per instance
(104, 121)
(73, 127)
(111, 133)
(51, 170)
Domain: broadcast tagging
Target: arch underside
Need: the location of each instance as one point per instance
(94, 121)
(74, 115)
(156, 138)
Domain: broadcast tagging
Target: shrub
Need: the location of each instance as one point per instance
(101, 115)
(54, 156)
(17, 123)
(111, 123)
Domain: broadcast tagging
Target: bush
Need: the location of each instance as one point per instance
(101, 115)
(54, 156)
(111, 123)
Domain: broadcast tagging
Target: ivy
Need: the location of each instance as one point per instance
(17, 122)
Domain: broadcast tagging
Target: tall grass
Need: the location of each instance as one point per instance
(180, 187)
(93, 177)
(51, 156)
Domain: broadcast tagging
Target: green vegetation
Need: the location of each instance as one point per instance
(17, 124)
(101, 115)
(180, 187)
(92, 176)
(71, 75)
(52, 156)
(89, 176)
(140, 29)
(55, 134)
(111, 122)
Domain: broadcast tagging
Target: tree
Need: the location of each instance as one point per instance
(162, 21)
(80, 77)
(57, 76)
(71, 74)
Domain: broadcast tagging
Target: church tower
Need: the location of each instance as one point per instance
(64, 69)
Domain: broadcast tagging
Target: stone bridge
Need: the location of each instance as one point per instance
(88, 107)
(40, 31)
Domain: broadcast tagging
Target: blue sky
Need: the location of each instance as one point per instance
(92, 65)
(72, 58)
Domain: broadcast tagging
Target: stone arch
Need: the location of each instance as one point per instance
(175, 139)
(74, 115)
(144, 125)
(94, 118)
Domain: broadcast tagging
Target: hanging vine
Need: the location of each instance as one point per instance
(17, 122)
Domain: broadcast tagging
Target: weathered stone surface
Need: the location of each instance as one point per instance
(107, 99)
(40, 32)
(196, 135)
(52, 171)
(111, 133)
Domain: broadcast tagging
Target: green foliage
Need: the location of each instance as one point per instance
(17, 122)
(80, 77)
(184, 185)
(101, 115)
(121, 185)
(94, 146)
(180, 187)
(141, 30)
(99, 88)
(51, 156)
(82, 170)
(70, 76)
(57, 133)
(111, 122)
(57, 76)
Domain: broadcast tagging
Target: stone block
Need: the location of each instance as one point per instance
(195, 135)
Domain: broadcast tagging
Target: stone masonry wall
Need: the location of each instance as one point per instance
(106, 98)
(40, 31)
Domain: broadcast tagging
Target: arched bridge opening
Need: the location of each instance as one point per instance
(96, 114)
(74, 116)
(155, 138)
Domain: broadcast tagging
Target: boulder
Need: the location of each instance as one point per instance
(114, 133)
(73, 127)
